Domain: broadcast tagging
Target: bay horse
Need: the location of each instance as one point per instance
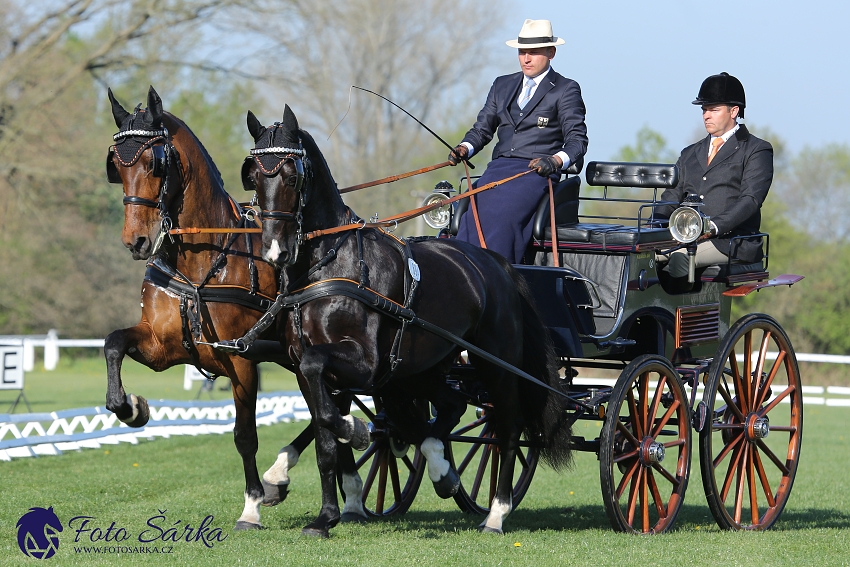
(355, 297)
(198, 286)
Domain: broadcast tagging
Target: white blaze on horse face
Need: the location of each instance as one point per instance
(251, 512)
(352, 485)
(274, 251)
(438, 466)
(498, 512)
(278, 473)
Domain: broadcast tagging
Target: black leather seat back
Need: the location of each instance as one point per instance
(621, 174)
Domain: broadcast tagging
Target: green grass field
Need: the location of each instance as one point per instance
(561, 521)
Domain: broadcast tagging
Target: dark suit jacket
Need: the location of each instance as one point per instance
(733, 188)
(553, 120)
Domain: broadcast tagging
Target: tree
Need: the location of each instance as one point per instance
(650, 147)
(418, 53)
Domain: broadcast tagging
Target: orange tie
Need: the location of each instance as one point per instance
(715, 145)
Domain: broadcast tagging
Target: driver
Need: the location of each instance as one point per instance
(731, 171)
(539, 117)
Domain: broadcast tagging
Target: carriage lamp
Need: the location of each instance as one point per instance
(687, 225)
(439, 217)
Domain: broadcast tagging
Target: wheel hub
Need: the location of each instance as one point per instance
(757, 427)
(651, 451)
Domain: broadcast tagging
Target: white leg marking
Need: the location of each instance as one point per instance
(353, 487)
(498, 511)
(251, 513)
(134, 403)
(278, 473)
(349, 419)
(274, 251)
(438, 465)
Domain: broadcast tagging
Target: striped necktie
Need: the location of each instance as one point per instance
(526, 94)
(715, 146)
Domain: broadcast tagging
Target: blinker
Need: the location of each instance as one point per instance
(111, 171)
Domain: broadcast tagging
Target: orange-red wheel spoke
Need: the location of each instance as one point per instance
(633, 414)
(627, 434)
(730, 472)
(765, 483)
(627, 477)
(770, 455)
(667, 475)
(656, 399)
(666, 418)
(723, 390)
(479, 474)
(382, 486)
(779, 397)
(751, 481)
(633, 494)
(643, 384)
(656, 495)
(765, 388)
(473, 450)
(731, 446)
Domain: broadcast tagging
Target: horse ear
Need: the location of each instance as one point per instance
(289, 121)
(254, 127)
(155, 106)
(118, 112)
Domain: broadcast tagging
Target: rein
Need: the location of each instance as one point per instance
(392, 178)
(413, 213)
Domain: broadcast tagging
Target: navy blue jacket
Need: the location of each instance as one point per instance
(552, 121)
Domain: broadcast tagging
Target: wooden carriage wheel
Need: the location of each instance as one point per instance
(645, 450)
(750, 448)
(391, 470)
(473, 451)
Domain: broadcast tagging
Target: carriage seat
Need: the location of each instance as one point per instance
(566, 203)
(618, 174)
(609, 234)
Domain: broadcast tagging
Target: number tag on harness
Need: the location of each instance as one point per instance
(413, 267)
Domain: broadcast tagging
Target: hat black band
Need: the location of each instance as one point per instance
(549, 39)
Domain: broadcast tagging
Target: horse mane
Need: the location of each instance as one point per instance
(318, 161)
(215, 174)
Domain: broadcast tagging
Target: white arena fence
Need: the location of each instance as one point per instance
(34, 434)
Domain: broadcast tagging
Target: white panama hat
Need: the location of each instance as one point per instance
(535, 33)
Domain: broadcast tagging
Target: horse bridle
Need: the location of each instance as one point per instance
(164, 154)
(296, 156)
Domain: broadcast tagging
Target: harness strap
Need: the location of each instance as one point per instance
(413, 213)
(386, 306)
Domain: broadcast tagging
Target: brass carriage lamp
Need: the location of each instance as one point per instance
(439, 217)
(687, 224)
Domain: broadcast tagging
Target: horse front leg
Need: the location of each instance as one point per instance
(244, 383)
(129, 408)
(330, 424)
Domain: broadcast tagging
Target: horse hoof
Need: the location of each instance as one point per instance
(352, 518)
(316, 532)
(274, 493)
(244, 526)
(448, 485)
(360, 438)
(140, 410)
(489, 530)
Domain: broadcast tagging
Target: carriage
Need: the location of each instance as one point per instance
(685, 375)
(682, 370)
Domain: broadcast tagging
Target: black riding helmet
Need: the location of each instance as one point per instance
(722, 89)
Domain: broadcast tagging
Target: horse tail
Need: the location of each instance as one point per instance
(542, 409)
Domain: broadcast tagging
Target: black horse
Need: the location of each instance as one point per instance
(356, 298)
(170, 180)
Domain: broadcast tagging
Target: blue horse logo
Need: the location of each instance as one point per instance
(38, 533)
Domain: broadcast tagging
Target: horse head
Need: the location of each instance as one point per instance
(144, 160)
(275, 170)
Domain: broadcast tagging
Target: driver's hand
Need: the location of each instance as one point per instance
(458, 154)
(546, 166)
